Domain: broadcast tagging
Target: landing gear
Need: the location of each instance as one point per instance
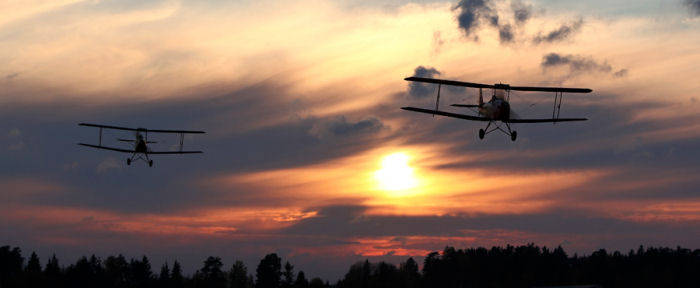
(150, 163)
(128, 161)
(497, 126)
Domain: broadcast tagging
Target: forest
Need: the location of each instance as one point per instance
(510, 266)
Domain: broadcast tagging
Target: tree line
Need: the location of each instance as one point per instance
(510, 266)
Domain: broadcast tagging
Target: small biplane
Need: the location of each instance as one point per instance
(497, 110)
(140, 150)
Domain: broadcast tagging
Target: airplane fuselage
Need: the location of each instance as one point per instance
(140, 146)
(496, 109)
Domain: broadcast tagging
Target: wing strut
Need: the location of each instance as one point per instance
(557, 107)
(437, 103)
(182, 139)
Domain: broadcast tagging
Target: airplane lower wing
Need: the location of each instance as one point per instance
(132, 151)
(108, 148)
(175, 152)
(476, 118)
(545, 120)
(446, 114)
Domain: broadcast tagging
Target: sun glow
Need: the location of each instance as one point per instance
(396, 174)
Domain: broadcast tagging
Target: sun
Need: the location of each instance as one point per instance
(395, 174)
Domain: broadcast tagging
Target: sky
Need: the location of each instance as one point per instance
(306, 152)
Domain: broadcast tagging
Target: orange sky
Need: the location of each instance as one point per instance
(300, 101)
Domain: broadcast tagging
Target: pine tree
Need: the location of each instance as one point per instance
(268, 272)
(288, 275)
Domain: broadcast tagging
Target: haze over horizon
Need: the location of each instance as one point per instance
(307, 153)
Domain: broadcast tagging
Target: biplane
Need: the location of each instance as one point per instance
(140, 150)
(497, 110)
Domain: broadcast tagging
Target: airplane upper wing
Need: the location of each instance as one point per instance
(551, 89)
(498, 86)
(545, 120)
(448, 82)
(141, 129)
(447, 114)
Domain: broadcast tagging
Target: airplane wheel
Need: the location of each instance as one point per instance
(128, 161)
(481, 133)
(150, 163)
(513, 136)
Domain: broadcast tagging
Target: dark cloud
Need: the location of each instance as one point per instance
(339, 126)
(11, 76)
(576, 63)
(694, 6)
(562, 33)
(422, 90)
(252, 128)
(521, 11)
(505, 33)
(472, 12)
(350, 222)
(621, 73)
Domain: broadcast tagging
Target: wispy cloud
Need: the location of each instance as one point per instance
(564, 32)
(578, 64)
(108, 164)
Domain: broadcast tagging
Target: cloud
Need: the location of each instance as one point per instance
(11, 76)
(505, 33)
(107, 164)
(70, 166)
(562, 33)
(339, 126)
(16, 146)
(14, 133)
(422, 90)
(694, 6)
(472, 12)
(621, 73)
(522, 12)
(577, 64)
